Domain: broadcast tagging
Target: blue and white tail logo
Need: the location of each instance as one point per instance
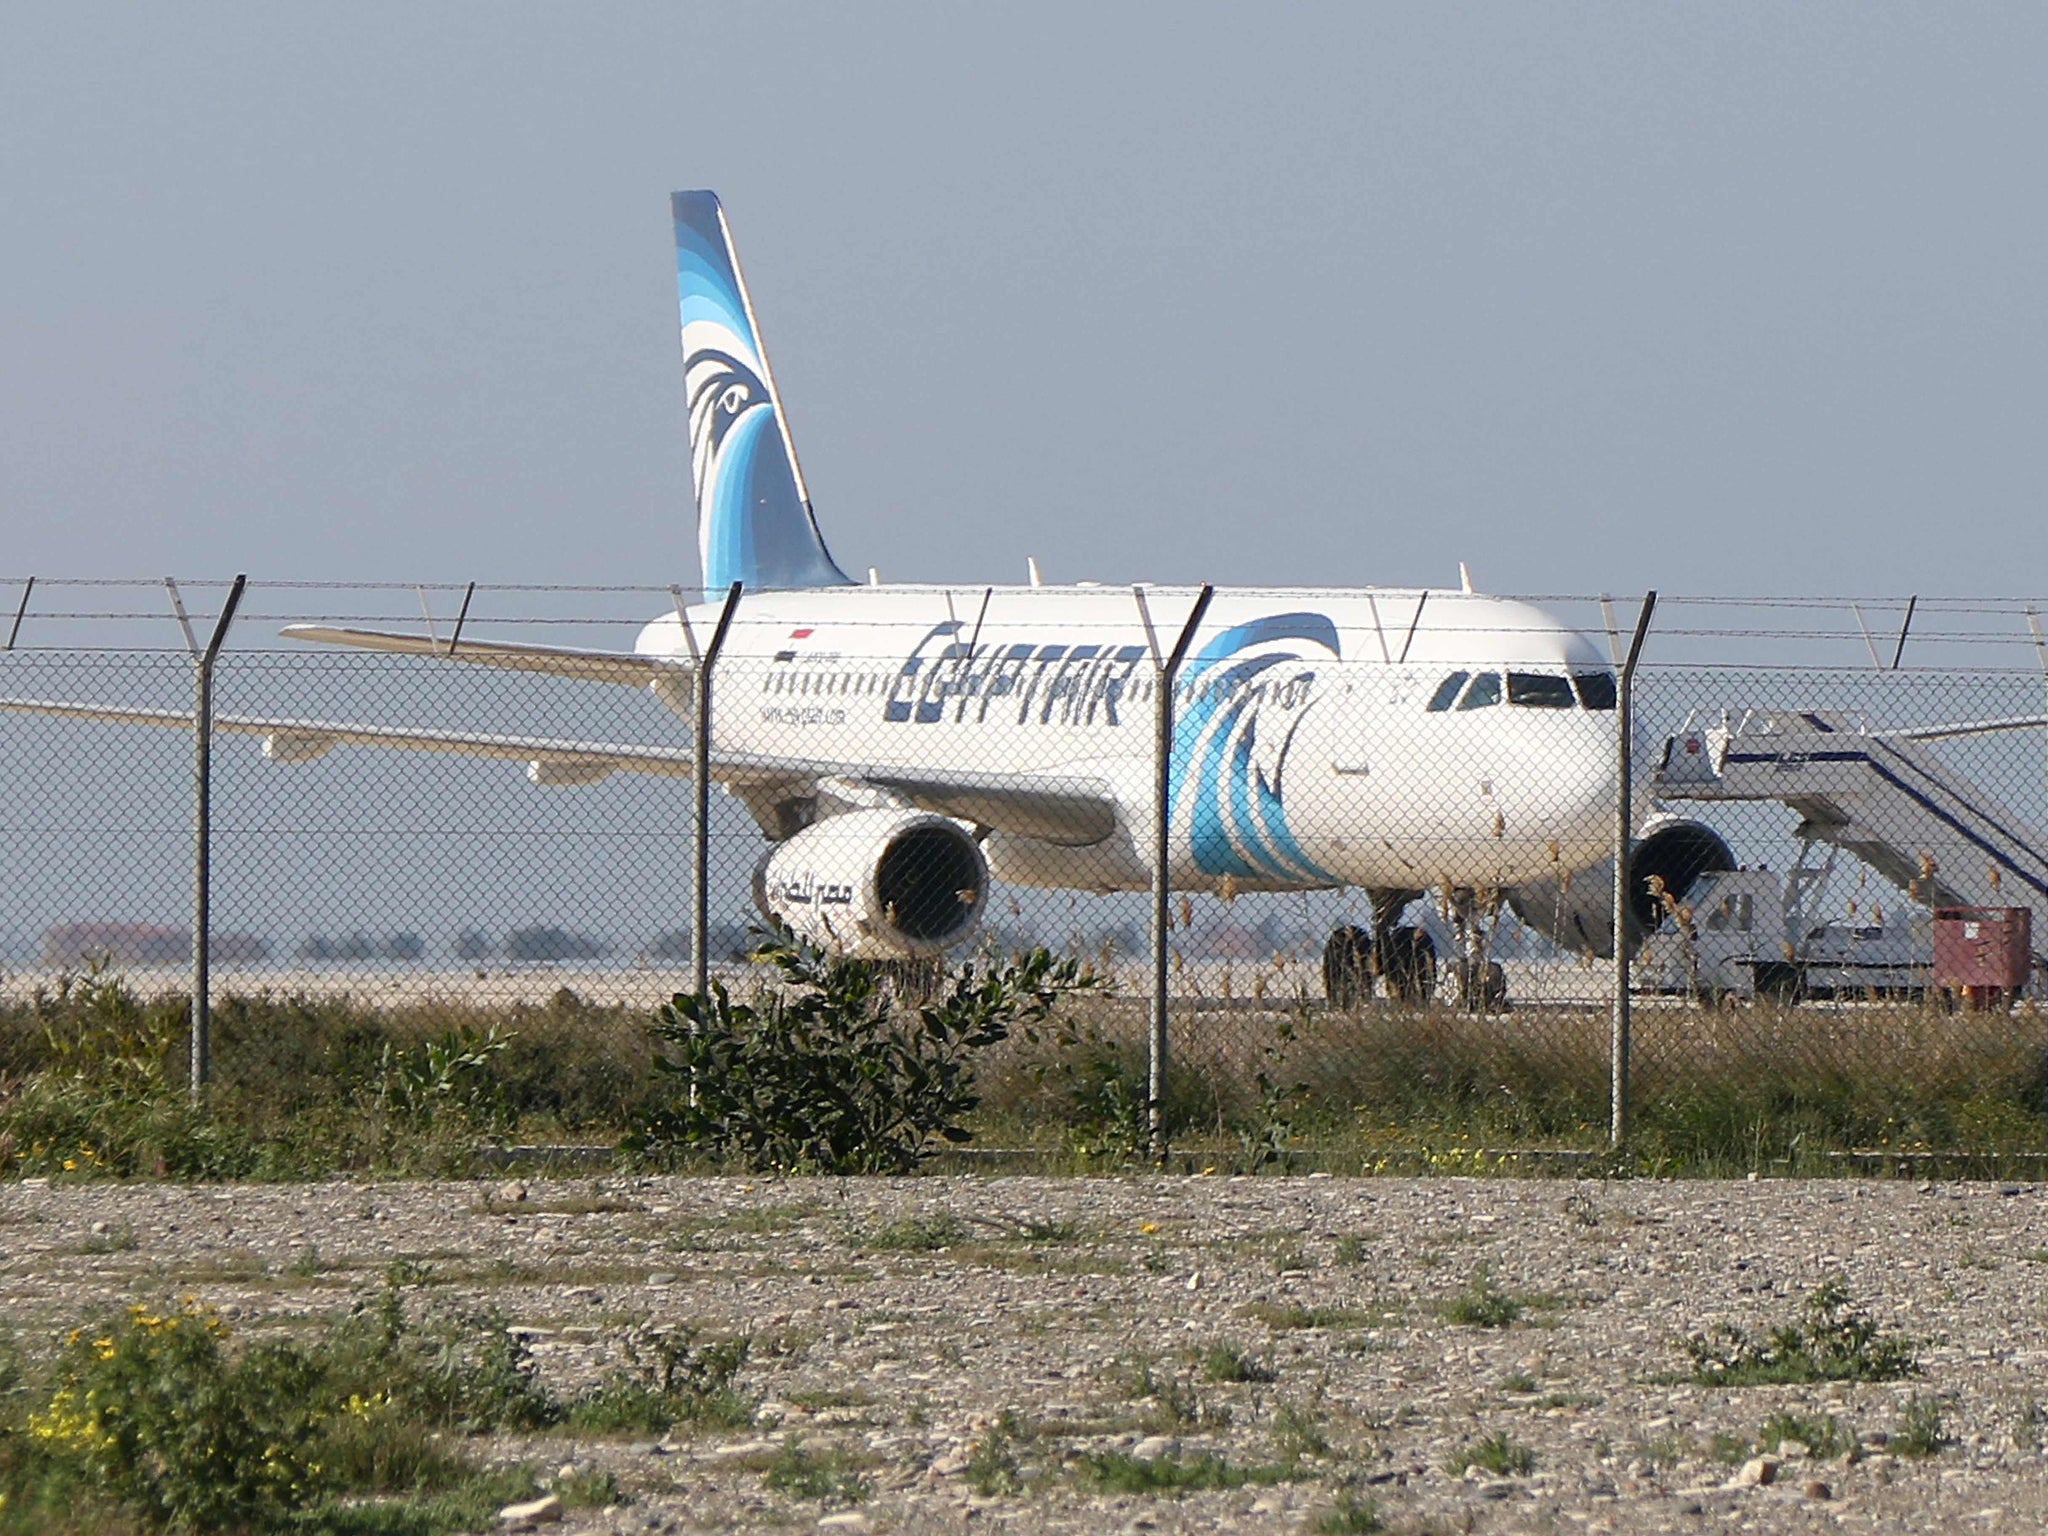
(754, 521)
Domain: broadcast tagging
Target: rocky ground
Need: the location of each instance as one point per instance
(1030, 1354)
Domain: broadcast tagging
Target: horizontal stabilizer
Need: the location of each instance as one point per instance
(558, 661)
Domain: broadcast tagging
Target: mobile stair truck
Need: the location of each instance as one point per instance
(1880, 796)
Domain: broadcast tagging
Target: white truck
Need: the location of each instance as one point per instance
(1744, 933)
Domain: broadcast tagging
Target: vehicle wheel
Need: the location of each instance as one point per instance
(1347, 968)
(1408, 962)
(1482, 986)
(1779, 982)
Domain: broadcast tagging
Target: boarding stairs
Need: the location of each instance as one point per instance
(1880, 795)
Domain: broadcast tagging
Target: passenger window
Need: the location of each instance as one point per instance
(1539, 690)
(1596, 689)
(1484, 692)
(1447, 691)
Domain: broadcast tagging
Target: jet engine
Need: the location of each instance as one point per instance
(1577, 910)
(876, 884)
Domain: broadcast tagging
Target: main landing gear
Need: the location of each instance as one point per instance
(1404, 958)
(1401, 956)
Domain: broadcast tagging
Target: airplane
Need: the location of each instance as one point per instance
(902, 748)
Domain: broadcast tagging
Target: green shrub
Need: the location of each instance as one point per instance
(1833, 1342)
(671, 1378)
(1349, 1515)
(1227, 1362)
(1121, 1472)
(831, 1477)
(1482, 1305)
(152, 1410)
(918, 1234)
(1499, 1453)
(992, 1466)
(1822, 1434)
(834, 1071)
(1919, 1430)
(104, 1100)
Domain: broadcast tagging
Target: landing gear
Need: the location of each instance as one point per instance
(1482, 983)
(1347, 968)
(1408, 961)
(1403, 957)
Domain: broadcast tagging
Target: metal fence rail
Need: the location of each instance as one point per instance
(214, 811)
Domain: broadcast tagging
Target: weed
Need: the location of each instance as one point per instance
(830, 1477)
(1919, 1430)
(589, 1488)
(1499, 1453)
(119, 1238)
(1298, 1432)
(1049, 1231)
(1121, 1472)
(160, 1418)
(1481, 1304)
(1294, 1316)
(307, 1265)
(1822, 1434)
(992, 1466)
(1833, 1342)
(670, 1378)
(2026, 1428)
(1349, 1514)
(1351, 1249)
(917, 1234)
(1290, 1261)
(1727, 1449)
(1519, 1383)
(1227, 1362)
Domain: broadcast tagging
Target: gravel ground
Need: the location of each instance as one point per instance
(1088, 1310)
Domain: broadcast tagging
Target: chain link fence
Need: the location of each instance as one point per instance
(1386, 885)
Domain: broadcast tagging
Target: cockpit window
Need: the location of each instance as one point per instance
(1540, 690)
(1485, 691)
(1596, 689)
(1447, 691)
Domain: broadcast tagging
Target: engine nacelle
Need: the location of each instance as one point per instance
(876, 885)
(1578, 911)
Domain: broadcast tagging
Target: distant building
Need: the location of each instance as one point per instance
(119, 944)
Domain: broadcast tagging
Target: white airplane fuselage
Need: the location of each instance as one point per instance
(1307, 753)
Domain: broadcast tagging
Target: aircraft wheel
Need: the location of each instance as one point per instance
(1347, 968)
(1482, 987)
(1408, 962)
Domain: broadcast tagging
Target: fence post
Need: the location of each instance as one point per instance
(1166, 669)
(1624, 840)
(700, 825)
(202, 843)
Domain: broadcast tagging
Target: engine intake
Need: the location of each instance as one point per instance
(876, 885)
(1578, 911)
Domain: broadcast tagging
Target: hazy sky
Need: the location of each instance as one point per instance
(1716, 298)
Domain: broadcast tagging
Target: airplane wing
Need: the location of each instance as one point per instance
(1070, 810)
(561, 661)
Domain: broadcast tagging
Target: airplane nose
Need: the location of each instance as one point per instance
(1567, 794)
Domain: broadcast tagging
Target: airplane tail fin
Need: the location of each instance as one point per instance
(754, 520)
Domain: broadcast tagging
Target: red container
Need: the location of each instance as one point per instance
(1983, 947)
